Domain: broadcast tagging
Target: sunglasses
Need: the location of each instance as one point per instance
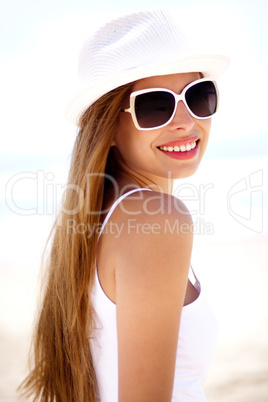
(156, 107)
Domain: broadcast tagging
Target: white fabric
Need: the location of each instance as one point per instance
(196, 344)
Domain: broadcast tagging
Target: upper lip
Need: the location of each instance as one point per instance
(179, 141)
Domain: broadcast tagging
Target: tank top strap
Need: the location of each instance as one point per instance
(116, 203)
(194, 274)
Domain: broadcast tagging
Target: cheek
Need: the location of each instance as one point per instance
(127, 135)
(135, 146)
(205, 126)
(126, 138)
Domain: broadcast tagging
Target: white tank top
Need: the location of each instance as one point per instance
(196, 343)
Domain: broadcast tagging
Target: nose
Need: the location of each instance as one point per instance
(182, 119)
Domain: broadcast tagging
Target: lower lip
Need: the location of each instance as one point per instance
(182, 155)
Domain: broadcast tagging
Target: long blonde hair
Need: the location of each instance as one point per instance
(62, 367)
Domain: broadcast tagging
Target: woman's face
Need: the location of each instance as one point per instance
(143, 152)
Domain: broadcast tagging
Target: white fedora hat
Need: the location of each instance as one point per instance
(136, 46)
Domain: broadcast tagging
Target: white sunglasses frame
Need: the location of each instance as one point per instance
(178, 98)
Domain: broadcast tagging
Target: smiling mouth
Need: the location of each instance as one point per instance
(180, 148)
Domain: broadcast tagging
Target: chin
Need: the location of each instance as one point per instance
(184, 172)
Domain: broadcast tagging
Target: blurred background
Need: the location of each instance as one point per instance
(40, 43)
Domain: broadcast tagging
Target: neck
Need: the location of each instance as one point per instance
(127, 180)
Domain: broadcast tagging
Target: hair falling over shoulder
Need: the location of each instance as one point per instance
(61, 362)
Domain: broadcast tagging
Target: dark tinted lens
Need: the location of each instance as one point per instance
(154, 108)
(202, 99)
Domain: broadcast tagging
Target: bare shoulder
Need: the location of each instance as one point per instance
(153, 203)
(155, 237)
(148, 232)
(151, 217)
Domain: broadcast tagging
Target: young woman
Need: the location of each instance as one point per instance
(121, 318)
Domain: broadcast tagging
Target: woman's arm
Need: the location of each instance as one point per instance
(152, 264)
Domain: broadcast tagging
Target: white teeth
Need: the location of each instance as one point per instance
(180, 148)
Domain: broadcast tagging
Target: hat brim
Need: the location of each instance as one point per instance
(209, 65)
